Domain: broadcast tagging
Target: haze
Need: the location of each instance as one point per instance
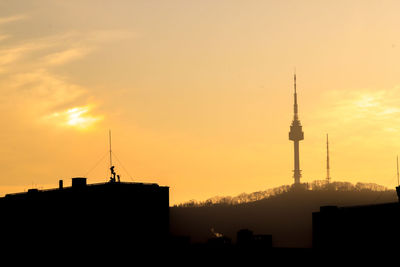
(198, 94)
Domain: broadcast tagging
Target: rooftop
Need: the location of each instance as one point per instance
(80, 182)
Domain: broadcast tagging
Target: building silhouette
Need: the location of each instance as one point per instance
(296, 134)
(368, 227)
(105, 217)
(247, 240)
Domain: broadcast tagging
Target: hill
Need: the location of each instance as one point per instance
(286, 215)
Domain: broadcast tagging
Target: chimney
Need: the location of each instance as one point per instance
(60, 184)
(78, 182)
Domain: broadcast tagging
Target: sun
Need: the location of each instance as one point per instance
(76, 117)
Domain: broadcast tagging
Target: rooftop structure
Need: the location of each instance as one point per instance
(87, 216)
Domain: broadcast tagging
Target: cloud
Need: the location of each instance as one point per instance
(8, 56)
(14, 18)
(361, 115)
(42, 88)
(30, 86)
(77, 117)
(31, 90)
(106, 36)
(43, 98)
(3, 37)
(21, 52)
(58, 49)
(376, 105)
(63, 57)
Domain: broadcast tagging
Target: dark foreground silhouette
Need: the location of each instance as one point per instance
(364, 227)
(102, 218)
(286, 216)
(131, 221)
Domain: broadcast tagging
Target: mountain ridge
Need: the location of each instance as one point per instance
(287, 216)
(258, 195)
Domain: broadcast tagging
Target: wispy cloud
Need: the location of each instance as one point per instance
(43, 88)
(57, 49)
(374, 113)
(3, 37)
(31, 87)
(14, 18)
(371, 105)
(23, 53)
(78, 117)
(66, 56)
(107, 36)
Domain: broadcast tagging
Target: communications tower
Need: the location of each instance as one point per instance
(296, 134)
(328, 176)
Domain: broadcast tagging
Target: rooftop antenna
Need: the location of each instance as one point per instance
(109, 135)
(112, 177)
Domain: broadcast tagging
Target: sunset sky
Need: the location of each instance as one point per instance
(198, 94)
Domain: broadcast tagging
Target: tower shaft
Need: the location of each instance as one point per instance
(296, 171)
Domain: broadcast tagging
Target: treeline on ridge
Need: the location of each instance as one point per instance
(317, 185)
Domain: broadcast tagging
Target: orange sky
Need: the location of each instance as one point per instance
(198, 94)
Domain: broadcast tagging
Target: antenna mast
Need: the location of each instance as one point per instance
(112, 177)
(398, 171)
(109, 135)
(328, 177)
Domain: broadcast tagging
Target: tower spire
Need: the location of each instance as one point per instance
(296, 134)
(295, 99)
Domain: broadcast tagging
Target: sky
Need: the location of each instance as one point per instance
(198, 94)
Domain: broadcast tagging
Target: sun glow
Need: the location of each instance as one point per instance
(77, 117)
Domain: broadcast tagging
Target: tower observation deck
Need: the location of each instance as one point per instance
(296, 134)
